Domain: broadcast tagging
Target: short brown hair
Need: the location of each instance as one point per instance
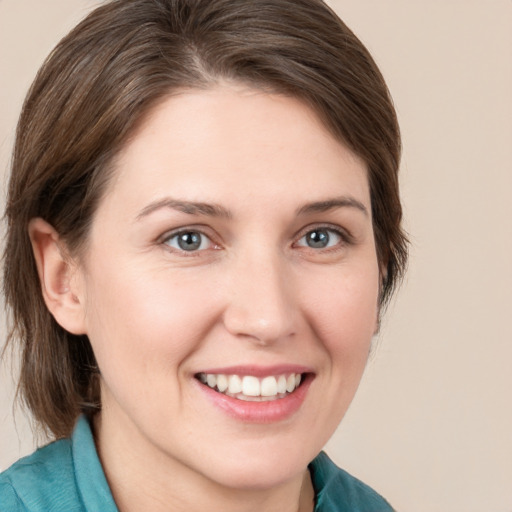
(94, 89)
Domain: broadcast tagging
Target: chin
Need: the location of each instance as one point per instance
(254, 475)
(262, 466)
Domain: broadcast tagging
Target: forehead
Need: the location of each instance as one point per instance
(232, 143)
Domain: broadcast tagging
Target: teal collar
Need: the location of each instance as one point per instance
(90, 479)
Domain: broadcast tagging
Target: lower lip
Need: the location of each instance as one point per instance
(269, 411)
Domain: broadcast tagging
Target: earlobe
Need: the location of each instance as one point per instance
(58, 275)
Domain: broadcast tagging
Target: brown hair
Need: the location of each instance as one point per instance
(93, 90)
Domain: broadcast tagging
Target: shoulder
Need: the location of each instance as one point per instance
(338, 491)
(41, 480)
(64, 476)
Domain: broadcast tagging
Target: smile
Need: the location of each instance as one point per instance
(251, 388)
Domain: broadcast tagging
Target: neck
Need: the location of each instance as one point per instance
(160, 483)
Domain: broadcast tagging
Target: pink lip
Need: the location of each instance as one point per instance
(258, 412)
(259, 371)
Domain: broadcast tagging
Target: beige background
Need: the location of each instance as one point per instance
(431, 427)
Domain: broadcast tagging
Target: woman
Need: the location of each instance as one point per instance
(203, 229)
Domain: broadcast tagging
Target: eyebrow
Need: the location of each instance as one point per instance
(216, 210)
(331, 204)
(189, 207)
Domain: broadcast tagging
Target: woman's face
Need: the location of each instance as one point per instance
(232, 253)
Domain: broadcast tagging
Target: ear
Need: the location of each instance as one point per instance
(61, 281)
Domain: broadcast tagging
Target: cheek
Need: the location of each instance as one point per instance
(139, 320)
(343, 311)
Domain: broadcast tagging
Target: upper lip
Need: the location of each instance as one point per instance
(258, 371)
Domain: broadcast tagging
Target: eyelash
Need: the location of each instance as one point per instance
(167, 238)
(345, 239)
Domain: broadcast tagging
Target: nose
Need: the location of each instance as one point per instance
(261, 306)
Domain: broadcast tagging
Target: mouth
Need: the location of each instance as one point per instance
(251, 388)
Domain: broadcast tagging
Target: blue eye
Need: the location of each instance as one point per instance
(188, 241)
(320, 238)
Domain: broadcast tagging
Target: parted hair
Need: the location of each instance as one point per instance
(94, 89)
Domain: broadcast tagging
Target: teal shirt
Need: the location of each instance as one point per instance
(66, 476)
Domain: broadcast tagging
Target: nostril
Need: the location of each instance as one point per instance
(263, 329)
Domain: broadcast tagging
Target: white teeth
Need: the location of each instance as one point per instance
(235, 384)
(222, 383)
(250, 387)
(281, 384)
(211, 380)
(269, 386)
(290, 383)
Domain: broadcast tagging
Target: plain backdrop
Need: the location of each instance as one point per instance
(431, 426)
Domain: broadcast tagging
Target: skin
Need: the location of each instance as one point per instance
(255, 293)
